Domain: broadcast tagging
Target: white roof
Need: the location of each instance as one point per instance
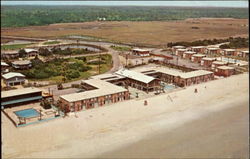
(12, 74)
(225, 68)
(213, 48)
(140, 50)
(197, 47)
(4, 64)
(135, 75)
(199, 55)
(19, 91)
(195, 73)
(10, 52)
(209, 58)
(103, 88)
(178, 47)
(219, 62)
(181, 50)
(189, 52)
(29, 50)
(22, 62)
(247, 52)
(229, 49)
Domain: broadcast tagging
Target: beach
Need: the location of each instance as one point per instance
(211, 123)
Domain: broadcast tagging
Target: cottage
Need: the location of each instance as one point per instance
(207, 61)
(216, 64)
(197, 58)
(244, 54)
(180, 52)
(140, 52)
(23, 64)
(31, 52)
(229, 52)
(20, 96)
(174, 48)
(139, 80)
(225, 71)
(4, 67)
(198, 49)
(213, 50)
(97, 93)
(188, 54)
(13, 78)
(11, 54)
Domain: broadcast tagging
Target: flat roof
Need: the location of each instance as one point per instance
(10, 52)
(219, 62)
(195, 73)
(29, 50)
(225, 68)
(21, 62)
(189, 52)
(4, 64)
(209, 58)
(245, 52)
(178, 46)
(19, 91)
(135, 75)
(12, 74)
(197, 47)
(213, 48)
(181, 50)
(103, 88)
(198, 55)
(140, 50)
(229, 49)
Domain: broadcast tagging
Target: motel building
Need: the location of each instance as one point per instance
(229, 52)
(139, 80)
(198, 49)
(174, 48)
(23, 64)
(216, 64)
(4, 67)
(141, 52)
(13, 78)
(188, 54)
(213, 50)
(9, 54)
(31, 52)
(225, 71)
(207, 61)
(97, 93)
(180, 52)
(244, 54)
(194, 77)
(20, 96)
(197, 58)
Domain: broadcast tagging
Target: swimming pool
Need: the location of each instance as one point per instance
(169, 87)
(27, 113)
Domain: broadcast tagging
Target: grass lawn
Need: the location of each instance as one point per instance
(121, 48)
(14, 46)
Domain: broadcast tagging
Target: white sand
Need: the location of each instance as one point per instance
(117, 125)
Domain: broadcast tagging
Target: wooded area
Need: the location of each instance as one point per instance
(19, 16)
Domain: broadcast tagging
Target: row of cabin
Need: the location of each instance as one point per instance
(180, 50)
(12, 54)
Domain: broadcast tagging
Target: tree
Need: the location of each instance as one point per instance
(22, 53)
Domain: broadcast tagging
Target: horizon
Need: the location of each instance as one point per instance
(224, 4)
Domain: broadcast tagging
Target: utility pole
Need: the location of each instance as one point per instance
(99, 62)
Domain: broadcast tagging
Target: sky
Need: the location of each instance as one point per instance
(239, 3)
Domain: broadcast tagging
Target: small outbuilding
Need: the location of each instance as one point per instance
(188, 54)
(140, 52)
(13, 78)
(225, 71)
(207, 61)
(22, 64)
(197, 58)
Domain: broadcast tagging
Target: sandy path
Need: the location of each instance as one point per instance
(111, 127)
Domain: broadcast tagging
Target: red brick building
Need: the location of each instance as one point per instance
(174, 48)
(225, 71)
(198, 49)
(229, 52)
(180, 52)
(140, 52)
(207, 62)
(97, 93)
(197, 58)
(188, 54)
(216, 64)
(213, 51)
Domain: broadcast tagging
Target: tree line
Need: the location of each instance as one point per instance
(19, 16)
